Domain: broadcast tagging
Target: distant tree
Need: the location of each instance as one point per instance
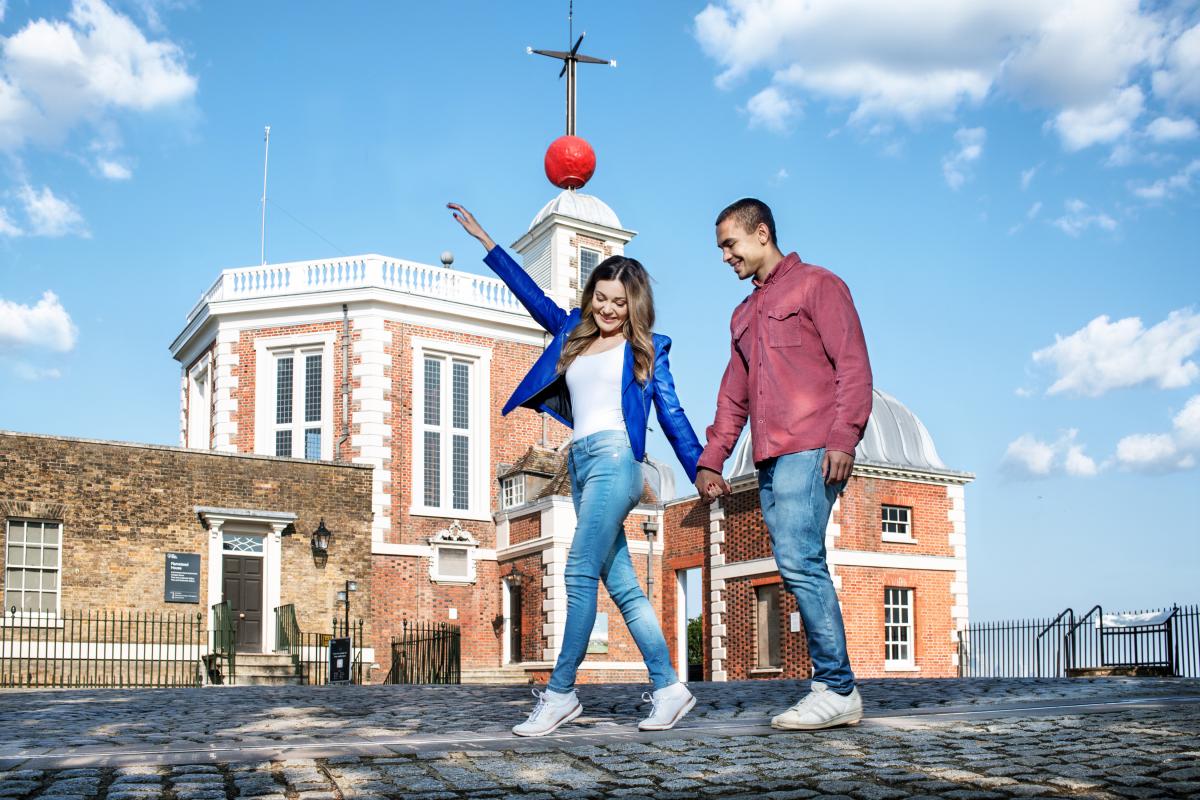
(695, 642)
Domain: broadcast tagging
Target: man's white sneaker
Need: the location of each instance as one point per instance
(821, 709)
(671, 703)
(552, 709)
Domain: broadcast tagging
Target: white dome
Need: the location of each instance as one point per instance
(894, 438)
(576, 205)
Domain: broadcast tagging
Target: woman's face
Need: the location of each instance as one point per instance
(610, 306)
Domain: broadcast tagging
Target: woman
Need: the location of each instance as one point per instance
(599, 376)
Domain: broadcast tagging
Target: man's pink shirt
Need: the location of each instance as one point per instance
(798, 368)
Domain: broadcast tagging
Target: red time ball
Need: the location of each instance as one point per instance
(570, 162)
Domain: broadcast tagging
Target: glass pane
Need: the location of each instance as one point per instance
(33, 532)
(461, 395)
(312, 443)
(33, 580)
(16, 555)
(433, 391)
(13, 579)
(50, 535)
(283, 391)
(50, 557)
(16, 532)
(240, 543)
(433, 468)
(452, 562)
(49, 602)
(11, 600)
(49, 580)
(283, 443)
(312, 388)
(461, 472)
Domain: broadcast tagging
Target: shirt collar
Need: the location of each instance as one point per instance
(786, 265)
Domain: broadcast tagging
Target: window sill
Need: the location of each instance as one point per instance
(899, 666)
(450, 513)
(766, 671)
(892, 538)
(453, 581)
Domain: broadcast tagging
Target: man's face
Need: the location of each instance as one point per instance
(741, 249)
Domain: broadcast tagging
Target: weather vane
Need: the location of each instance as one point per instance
(570, 160)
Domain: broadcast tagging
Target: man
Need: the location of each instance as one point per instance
(798, 369)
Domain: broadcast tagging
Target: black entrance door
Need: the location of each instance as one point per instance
(514, 624)
(242, 580)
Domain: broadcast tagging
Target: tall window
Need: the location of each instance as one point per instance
(32, 565)
(766, 626)
(199, 409)
(588, 259)
(446, 432)
(299, 410)
(897, 627)
(897, 524)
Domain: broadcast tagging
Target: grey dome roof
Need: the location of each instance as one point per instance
(577, 205)
(894, 438)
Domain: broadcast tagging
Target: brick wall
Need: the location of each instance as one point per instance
(123, 506)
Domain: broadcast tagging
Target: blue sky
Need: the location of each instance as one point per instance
(1006, 188)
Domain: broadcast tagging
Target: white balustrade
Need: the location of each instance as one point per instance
(357, 272)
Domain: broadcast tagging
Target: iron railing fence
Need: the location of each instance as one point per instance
(102, 649)
(222, 661)
(1049, 647)
(426, 652)
(310, 651)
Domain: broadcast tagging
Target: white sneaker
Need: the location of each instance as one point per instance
(671, 703)
(552, 709)
(821, 709)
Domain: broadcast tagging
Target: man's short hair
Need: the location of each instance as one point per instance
(750, 213)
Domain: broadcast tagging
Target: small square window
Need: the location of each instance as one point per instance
(512, 491)
(897, 524)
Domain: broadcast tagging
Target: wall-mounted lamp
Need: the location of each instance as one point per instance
(321, 538)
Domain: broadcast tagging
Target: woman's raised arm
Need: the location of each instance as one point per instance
(544, 311)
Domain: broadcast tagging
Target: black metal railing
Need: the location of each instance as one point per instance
(426, 652)
(102, 649)
(1050, 648)
(221, 662)
(310, 651)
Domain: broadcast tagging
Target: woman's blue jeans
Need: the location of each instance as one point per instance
(606, 483)
(796, 503)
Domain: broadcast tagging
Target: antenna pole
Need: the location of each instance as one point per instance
(266, 155)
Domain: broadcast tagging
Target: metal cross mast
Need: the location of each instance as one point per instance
(570, 59)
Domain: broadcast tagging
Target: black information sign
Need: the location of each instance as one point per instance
(339, 660)
(183, 578)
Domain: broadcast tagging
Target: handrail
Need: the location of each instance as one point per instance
(1037, 643)
(1071, 648)
(225, 638)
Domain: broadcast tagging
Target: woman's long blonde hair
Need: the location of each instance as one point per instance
(639, 325)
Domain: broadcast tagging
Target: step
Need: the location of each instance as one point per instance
(496, 676)
(267, 680)
(264, 658)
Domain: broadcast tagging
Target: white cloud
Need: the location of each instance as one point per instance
(770, 109)
(1079, 217)
(780, 176)
(1165, 188)
(29, 372)
(1105, 355)
(1027, 176)
(1187, 424)
(58, 74)
(3, 9)
(955, 166)
(1165, 129)
(1099, 123)
(113, 170)
(46, 324)
(1179, 78)
(7, 226)
(1030, 457)
(1034, 210)
(1165, 452)
(50, 215)
(929, 58)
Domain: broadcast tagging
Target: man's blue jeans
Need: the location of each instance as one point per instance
(796, 503)
(606, 482)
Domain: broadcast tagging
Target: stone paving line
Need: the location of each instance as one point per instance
(961, 739)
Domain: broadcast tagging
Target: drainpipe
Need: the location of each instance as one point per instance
(337, 456)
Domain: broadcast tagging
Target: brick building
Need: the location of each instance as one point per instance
(92, 526)
(896, 545)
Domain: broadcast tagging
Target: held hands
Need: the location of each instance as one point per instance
(470, 225)
(837, 466)
(711, 485)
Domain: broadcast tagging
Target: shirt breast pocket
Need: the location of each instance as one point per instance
(740, 340)
(783, 327)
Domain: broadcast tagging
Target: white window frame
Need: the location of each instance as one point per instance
(898, 598)
(199, 408)
(267, 350)
(512, 491)
(763, 628)
(479, 493)
(453, 538)
(31, 616)
(583, 279)
(899, 537)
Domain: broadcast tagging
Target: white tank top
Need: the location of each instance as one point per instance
(595, 385)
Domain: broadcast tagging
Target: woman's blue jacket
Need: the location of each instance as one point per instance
(544, 389)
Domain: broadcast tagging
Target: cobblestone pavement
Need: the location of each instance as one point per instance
(968, 739)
